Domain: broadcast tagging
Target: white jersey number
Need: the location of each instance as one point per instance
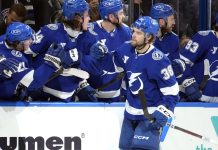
(192, 46)
(167, 72)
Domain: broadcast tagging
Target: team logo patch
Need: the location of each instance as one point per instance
(91, 29)
(157, 55)
(16, 53)
(159, 7)
(213, 71)
(52, 26)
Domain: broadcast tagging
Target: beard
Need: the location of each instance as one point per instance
(137, 45)
(134, 43)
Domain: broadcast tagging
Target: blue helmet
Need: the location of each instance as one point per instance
(161, 10)
(72, 7)
(147, 25)
(107, 7)
(17, 31)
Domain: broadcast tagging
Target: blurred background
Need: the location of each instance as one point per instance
(191, 15)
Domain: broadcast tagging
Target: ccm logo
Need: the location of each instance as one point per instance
(141, 137)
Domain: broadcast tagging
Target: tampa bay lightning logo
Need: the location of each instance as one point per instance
(135, 82)
(108, 3)
(16, 53)
(213, 71)
(159, 7)
(157, 55)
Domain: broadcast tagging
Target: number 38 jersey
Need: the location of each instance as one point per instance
(150, 72)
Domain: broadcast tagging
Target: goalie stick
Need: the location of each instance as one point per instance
(151, 119)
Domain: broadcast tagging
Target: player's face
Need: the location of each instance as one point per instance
(120, 16)
(24, 45)
(12, 17)
(138, 37)
(170, 23)
(86, 19)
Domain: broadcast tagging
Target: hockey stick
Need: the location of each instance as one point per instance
(206, 139)
(118, 77)
(70, 72)
(206, 74)
(151, 119)
(76, 72)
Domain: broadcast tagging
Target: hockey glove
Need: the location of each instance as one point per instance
(71, 58)
(178, 67)
(98, 50)
(192, 89)
(21, 92)
(8, 66)
(85, 92)
(52, 56)
(57, 56)
(161, 115)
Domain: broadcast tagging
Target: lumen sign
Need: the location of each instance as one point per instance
(40, 143)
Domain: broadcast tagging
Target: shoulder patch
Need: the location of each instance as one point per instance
(52, 26)
(204, 33)
(157, 55)
(91, 29)
(16, 53)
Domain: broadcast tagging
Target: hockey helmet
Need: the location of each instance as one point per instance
(107, 7)
(17, 31)
(72, 7)
(147, 25)
(161, 10)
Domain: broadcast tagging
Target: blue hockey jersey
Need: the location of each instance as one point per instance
(33, 79)
(112, 40)
(169, 45)
(63, 86)
(201, 55)
(150, 72)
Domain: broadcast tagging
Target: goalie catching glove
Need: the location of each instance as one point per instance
(56, 57)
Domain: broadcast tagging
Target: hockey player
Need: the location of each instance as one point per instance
(75, 20)
(148, 71)
(199, 80)
(111, 32)
(167, 41)
(17, 75)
